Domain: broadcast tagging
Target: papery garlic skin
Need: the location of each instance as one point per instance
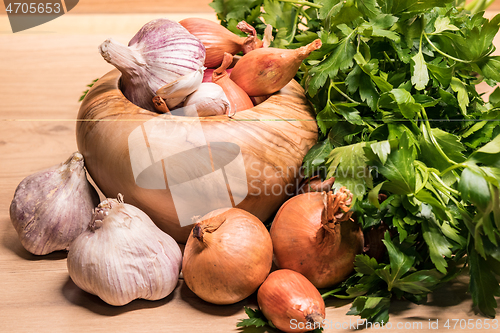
(52, 207)
(160, 52)
(176, 91)
(209, 99)
(124, 256)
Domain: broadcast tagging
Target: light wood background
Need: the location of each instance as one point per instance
(42, 74)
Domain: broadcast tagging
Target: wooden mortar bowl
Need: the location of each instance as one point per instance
(273, 138)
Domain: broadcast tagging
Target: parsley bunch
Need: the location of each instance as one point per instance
(393, 87)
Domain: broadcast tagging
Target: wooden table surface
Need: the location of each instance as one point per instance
(43, 72)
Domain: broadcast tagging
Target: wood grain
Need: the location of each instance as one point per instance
(272, 147)
(42, 74)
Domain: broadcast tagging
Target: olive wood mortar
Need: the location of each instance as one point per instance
(273, 138)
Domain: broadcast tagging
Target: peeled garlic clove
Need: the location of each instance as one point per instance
(291, 302)
(175, 92)
(209, 99)
(124, 256)
(52, 207)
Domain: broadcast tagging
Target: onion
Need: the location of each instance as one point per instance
(264, 71)
(238, 98)
(218, 39)
(314, 235)
(227, 256)
(315, 184)
(291, 302)
(161, 52)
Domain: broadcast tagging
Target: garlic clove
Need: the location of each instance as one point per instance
(209, 99)
(124, 256)
(52, 207)
(176, 91)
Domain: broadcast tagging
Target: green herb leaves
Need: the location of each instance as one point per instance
(393, 87)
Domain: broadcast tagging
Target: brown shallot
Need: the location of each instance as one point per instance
(264, 71)
(227, 256)
(218, 39)
(313, 234)
(291, 302)
(238, 98)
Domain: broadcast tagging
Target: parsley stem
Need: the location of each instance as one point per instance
(440, 181)
(442, 53)
(305, 3)
(452, 167)
(334, 86)
(433, 139)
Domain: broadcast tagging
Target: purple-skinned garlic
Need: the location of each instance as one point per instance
(52, 207)
(161, 52)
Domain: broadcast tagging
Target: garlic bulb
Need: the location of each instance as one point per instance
(176, 91)
(209, 99)
(124, 256)
(161, 52)
(52, 207)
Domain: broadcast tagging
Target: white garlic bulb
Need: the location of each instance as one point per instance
(159, 53)
(124, 256)
(52, 207)
(209, 99)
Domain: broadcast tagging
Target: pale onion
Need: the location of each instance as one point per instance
(123, 256)
(313, 234)
(161, 52)
(227, 256)
(291, 302)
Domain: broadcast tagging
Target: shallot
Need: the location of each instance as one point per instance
(218, 39)
(313, 234)
(227, 256)
(237, 97)
(264, 71)
(291, 302)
